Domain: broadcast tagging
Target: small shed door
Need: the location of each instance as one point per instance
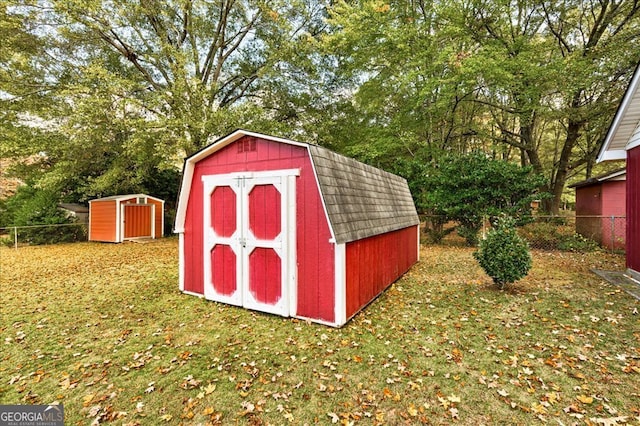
(249, 222)
(137, 220)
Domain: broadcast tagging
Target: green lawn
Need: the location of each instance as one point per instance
(103, 329)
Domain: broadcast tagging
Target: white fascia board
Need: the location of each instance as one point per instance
(618, 154)
(185, 189)
(190, 162)
(620, 113)
(634, 142)
(332, 240)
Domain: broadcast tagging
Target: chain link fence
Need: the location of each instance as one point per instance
(570, 233)
(16, 236)
(566, 232)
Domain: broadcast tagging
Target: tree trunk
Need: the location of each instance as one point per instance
(562, 171)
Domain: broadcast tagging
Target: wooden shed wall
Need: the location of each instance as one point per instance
(589, 200)
(159, 217)
(614, 202)
(374, 263)
(589, 203)
(102, 221)
(315, 255)
(614, 199)
(633, 209)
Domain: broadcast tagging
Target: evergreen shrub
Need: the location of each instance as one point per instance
(504, 255)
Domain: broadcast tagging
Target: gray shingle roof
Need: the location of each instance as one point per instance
(361, 200)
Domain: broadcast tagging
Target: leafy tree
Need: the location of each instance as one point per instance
(101, 97)
(31, 206)
(504, 255)
(547, 72)
(533, 80)
(468, 188)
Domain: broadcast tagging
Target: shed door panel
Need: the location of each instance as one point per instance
(137, 220)
(221, 240)
(265, 254)
(247, 241)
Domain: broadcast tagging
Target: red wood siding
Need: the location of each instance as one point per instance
(315, 255)
(102, 218)
(614, 203)
(375, 262)
(159, 214)
(589, 200)
(633, 209)
(589, 203)
(137, 220)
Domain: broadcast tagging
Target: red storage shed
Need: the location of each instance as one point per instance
(290, 228)
(601, 208)
(623, 143)
(125, 217)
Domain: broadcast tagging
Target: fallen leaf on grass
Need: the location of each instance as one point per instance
(453, 398)
(86, 400)
(610, 421)
(189, 383)
(585, 399)
(454, 413)
(209, 389)
(412, 410)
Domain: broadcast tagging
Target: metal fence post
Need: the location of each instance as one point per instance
(15, 237)
(613, 233)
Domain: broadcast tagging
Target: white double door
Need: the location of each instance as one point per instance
(249, 240)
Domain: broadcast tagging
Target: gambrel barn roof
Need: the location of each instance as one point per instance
(360, 201)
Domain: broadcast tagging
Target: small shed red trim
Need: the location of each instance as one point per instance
(291, 228)
(126, 217)
(623, 143)
(601, 208)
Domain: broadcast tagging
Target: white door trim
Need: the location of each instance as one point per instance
(243, 242)
(210, 239)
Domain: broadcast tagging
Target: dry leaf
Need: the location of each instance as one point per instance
(334, 417)
(585, 399)
(412, 410)
(611, 421)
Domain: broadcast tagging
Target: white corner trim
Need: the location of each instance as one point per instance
(181, 264)
(418, 248)
(153, 221)
(340, 298)
(119, 221)
(292, 249)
